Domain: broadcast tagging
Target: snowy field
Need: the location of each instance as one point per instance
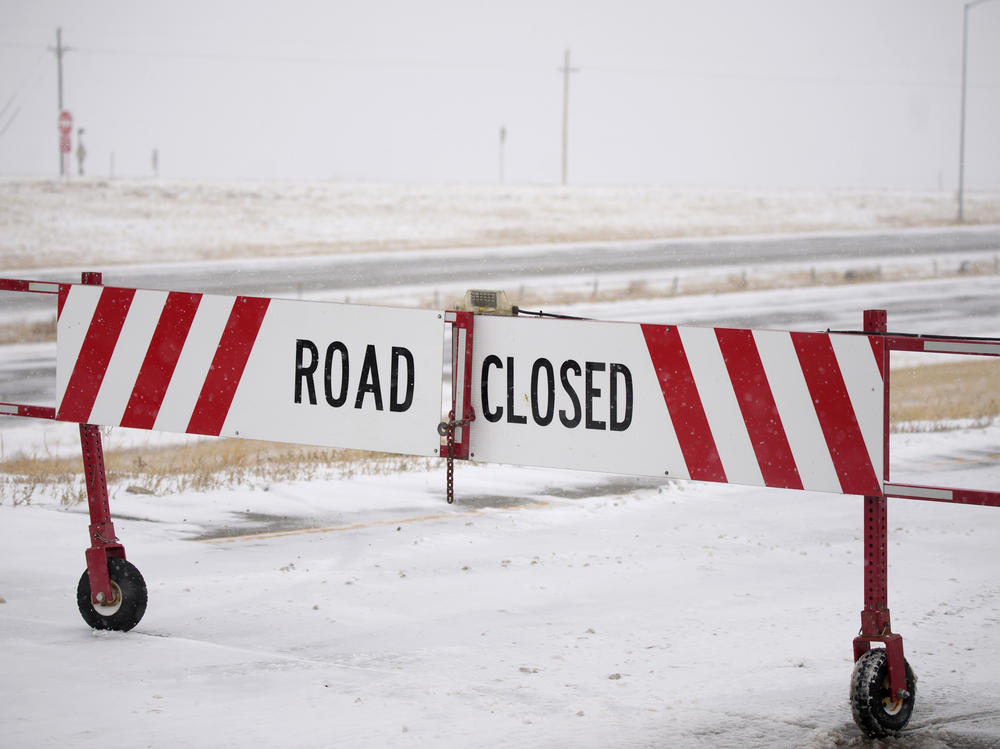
(544, 609)
(99, 222)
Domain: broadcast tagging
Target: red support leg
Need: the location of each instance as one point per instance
(875, 619)
(103, 542)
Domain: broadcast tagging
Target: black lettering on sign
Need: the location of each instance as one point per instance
(337, 376)
(395, 404)
(564, 417)
(345, 370)
(304, 372)
(626, 376)
(591, 392)
(369, 380)
(512, 418)
(614, 402)
(550, 392)
(491, 415)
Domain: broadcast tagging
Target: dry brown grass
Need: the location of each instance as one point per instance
(196, 466)
(23, 331)
(22, 477)
(928, 397)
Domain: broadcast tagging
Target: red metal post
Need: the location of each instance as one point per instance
(875, 619)
(462, 413)
(103, 542)
(457, 442)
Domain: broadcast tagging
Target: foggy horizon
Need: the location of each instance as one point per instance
(775, 94)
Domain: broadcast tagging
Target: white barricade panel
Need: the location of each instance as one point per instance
(313, 373)
(765, 408)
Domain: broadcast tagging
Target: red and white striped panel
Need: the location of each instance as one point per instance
(119, 349)
(222, 365)
(757, 407)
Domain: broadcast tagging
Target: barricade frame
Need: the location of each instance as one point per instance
(875, 617)
(456, 431)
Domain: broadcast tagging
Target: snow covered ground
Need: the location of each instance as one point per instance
(545, 608)
(45, 223)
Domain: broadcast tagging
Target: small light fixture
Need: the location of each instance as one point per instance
(485, 302)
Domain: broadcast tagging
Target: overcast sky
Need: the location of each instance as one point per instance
(773, 93)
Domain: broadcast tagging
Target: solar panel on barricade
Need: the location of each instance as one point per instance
(303, 372)
(766, 408)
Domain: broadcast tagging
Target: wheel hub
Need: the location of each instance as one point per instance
(109, 608)
(890, 705)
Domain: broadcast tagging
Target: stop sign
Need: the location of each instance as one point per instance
(65, 122)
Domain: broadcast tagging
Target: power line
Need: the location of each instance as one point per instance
(10, 121)
(298, 59)
(318, 59)
(432, 64)
(34, 71)
(777, 77)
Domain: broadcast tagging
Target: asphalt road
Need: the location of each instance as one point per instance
(479, 266)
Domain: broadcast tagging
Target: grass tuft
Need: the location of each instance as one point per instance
(198, 466)
(939, 397)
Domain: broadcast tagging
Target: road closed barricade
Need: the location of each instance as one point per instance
(786, 410)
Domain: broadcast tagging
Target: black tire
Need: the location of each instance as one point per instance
(875, 711)
(130, 598)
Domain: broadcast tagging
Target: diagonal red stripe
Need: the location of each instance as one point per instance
(666, 350)
(877, 343)
(756, 401)
(92, 362)
(879, 350)
(63, 293)
(227, 366)
(161, 359)
(836, 413)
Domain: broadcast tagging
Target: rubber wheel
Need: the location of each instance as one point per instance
(128, 605)
(875, 710)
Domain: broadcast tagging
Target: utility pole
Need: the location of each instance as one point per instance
(60, 50)
(503, 138)
(961, 131)
(565, 70)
